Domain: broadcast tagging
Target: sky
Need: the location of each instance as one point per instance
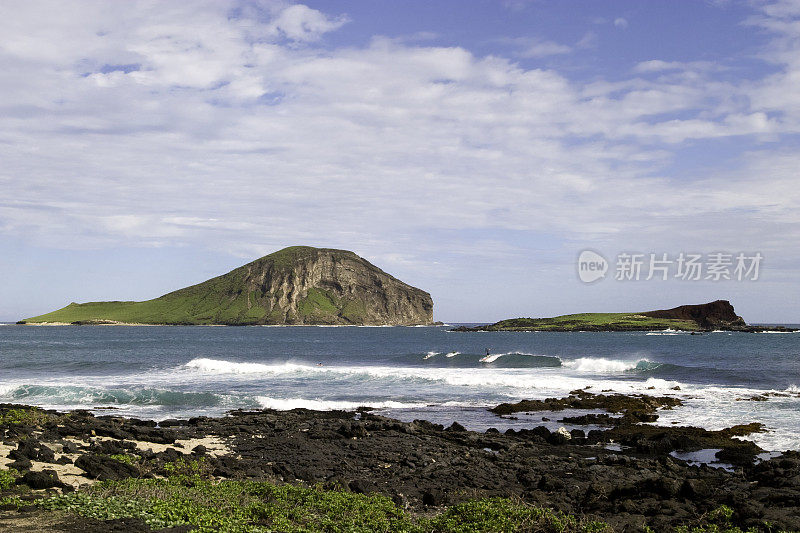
(470, 148)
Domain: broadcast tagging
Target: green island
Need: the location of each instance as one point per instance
(296, 285)
(717, 315)
(590, 321)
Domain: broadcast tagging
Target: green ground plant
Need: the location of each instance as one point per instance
(29, 416)
(189, 495)
(8, 478)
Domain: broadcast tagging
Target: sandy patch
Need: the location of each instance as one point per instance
(72, 475)
(69, 473)
(214, 446)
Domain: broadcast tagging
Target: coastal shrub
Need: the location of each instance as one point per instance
(713, 528)
(125, 458)
(232, 506)
(501, 515)
(187, 498)
(249, 506)
(188, 472)
(719, 521)
(7, 478)
(11, 501)
(29, 416)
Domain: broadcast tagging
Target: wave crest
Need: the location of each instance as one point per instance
(220, 366)
(285, 404)
(599, 365)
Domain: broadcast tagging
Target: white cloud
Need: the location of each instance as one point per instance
(621, 23)
(301, 23)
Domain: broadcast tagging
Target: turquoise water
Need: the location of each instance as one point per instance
(423, 372)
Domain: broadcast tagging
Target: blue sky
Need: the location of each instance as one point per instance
(471, 148)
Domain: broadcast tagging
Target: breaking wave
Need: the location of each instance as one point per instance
(285, 404)
(531, 359)
(93, 396)
(220, 366)
(599, 365)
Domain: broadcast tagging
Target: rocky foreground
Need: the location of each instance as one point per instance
(419, 465)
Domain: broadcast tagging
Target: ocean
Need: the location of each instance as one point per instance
(404, 372)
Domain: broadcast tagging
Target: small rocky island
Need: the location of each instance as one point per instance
(297, 285)
(717, 315)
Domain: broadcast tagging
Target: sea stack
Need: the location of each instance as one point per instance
(297, 285)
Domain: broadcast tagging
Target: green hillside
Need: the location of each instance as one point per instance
(593, 321)
(275, 289)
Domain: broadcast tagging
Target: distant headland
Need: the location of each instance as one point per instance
(294, 286)
(717, 315)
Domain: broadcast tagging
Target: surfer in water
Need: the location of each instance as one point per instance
(488, 351)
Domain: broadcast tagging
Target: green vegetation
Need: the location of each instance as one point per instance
(125, 458)
(321, 305)
(249, 506)
(318, 302)
(719, 521)
(7, 478)
(593, 321)
(189, 495)
(29, 416)
(502, 514)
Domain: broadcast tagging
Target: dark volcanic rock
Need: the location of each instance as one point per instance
(40, 480)
(103, 467)
(630, 404)
(717, 314)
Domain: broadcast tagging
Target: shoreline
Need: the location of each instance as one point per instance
(421, 466)
(112, 323)
(772, 329)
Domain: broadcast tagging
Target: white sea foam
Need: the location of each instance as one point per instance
(716, 408)
(6, 388)
(661, 384)
(219, 366)
(490, 358)
(601, 366)
(452, 354)
(431, 354)
(284, 404)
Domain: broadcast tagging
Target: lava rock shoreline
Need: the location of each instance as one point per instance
(420, 465)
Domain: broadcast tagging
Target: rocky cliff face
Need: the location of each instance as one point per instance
(717, 314)
(303, 285)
